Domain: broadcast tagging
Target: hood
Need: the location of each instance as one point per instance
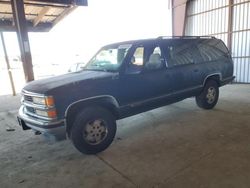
(44, 85)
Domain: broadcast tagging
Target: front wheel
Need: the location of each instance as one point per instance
(93, 130)
(208, 98)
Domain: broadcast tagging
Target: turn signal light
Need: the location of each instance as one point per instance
(52, 114)
(49, 101)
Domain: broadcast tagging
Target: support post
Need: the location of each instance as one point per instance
(230, 25)
(178, 17)
(8, 65)
(23, 39)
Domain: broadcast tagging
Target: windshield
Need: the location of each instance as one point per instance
(109, 58)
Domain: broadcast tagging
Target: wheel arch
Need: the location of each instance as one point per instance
(215, 76)
(105, 101)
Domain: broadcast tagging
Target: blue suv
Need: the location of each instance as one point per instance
(121, 80)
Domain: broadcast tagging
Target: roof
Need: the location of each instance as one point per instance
(161, 38)
(41, 15)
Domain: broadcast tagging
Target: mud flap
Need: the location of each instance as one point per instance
(22, 124)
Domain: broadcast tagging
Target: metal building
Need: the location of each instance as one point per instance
(23, 16)
(228, 20)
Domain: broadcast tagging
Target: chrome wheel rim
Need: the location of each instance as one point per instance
(95, 132)
(211, 95)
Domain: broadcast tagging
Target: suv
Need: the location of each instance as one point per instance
(121, 80)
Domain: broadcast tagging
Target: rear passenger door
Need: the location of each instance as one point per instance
(182, 55)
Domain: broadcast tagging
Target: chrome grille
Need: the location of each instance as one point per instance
(30, 109)
(28, 98)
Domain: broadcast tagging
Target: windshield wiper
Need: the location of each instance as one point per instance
(101, 70)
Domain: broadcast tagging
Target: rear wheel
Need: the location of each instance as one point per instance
(208, 98)
(93, 130)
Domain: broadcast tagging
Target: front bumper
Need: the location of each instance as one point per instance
(52, 129)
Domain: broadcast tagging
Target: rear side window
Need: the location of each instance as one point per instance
(212, 50)
(180, 54)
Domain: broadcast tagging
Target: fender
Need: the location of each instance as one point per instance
(214, 74)
(96, 99)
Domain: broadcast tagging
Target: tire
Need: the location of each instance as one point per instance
(208, 98)
(93, 130)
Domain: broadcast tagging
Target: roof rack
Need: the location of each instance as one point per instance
(186, 37)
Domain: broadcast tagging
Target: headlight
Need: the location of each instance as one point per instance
(47, 101)
(49, 114)
(39, 100)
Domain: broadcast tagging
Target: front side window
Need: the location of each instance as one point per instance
(109, 58)
(138, 56)
(136, 61)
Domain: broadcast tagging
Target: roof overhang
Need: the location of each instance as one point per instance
(41, 15)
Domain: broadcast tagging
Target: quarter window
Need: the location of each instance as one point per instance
(208, 53)
(212, 50)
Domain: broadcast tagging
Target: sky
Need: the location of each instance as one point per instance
(77, 37)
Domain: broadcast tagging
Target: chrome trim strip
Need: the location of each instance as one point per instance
(227, 78)
(218, 73)
(51, 131)
(177, 92)
(38, 106)
(163, 96)
(39, 117)
(29, 119)
(28, 93)
(99, 96)
(24, 92)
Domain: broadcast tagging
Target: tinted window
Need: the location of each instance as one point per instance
(136, 61)
(109, 58)
(219, 44)
(212, 50)
(155, 60)
(180, 54)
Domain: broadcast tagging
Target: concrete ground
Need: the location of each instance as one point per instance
(178, 145)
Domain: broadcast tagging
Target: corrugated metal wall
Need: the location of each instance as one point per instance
(212, 17)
